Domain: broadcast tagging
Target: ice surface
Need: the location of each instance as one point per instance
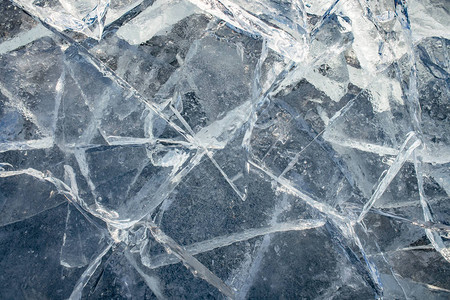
(224, 149)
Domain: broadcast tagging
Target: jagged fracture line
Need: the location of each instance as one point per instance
(324, 18)
(121, 82)
(67, 192)
(409, 145)
(429, 225)
(44, 143)
(80, 157)
(259, 101)
(394, 274)
(166, 187)
(256, 86)
(162, 192)
(415, 111)
(337, 115)
(125, 140)
(412, 95)
(277, 85)
(113, 76)
(166, 241)
(433, 236)
(33, 215)
(423, 247)
(188, 260)
(108, 72)
(96, 109)
(245, 275)
(333, 119)
(379, 28)
(86, 276)
(106, 69)
(278, 40)
(413, 248)
(259, 98)
(300, 6)
(322, 207)
(138, 174)
(252, 115)
(151, 281)
(256, 93)
(301, 69)
(372, 267)
(230, 182)
(80, 89)
(346, 142)
(208, 153)
(223, 241)
(77, 201)
(250, 272)
(64, 190)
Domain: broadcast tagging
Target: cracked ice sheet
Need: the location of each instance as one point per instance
(86, 16)
(253, 142)
(18, 29)
(87, 129)
(191, 205)
(38, 236)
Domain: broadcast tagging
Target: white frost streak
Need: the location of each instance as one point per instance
(223, 241)
(152, 281)
(43, 143)
(410, 144)
(433, 236)
(84, 279)
(322, 207)
(155, 20)
(24, 38)
(197, 268)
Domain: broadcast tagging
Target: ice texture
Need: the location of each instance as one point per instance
(224, 149)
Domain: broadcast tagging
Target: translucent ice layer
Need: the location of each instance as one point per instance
(224, 149)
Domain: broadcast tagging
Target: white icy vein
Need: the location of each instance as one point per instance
(410, 144)
(223, 241)
(237, 117)
(24, 38)
(197, 268)
(152, 282)
(154, 200)
(155, 20)
(62, 188)
(44, 143)
(244, 277)
(84, 279)
(416, 120)
(433, 236)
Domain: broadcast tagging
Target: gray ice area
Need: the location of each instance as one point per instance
(224, 149)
